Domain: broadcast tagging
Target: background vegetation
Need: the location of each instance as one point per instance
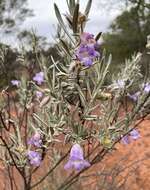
(127, 34)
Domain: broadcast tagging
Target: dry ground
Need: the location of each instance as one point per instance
(126, 168)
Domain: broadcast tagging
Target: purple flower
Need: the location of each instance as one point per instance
(125, 140)
(86, 52)
(87, 61)
(87, 38)
(134, 135)
(135, 96)
(39, 78)
(39, 94)
(35, 140)
(34, 157)
(92, 53)
(15, 82)
(147, 87)
(76, 159)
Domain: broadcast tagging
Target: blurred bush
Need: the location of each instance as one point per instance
(128, 34)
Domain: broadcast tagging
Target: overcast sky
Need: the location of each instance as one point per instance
(44, 20)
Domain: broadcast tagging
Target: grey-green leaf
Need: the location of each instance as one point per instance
(61, 22)
(98, 36)
(75, 18)
(88, 7)
(65, 46)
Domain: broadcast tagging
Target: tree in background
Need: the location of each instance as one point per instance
(32, 46)
(12, 14)
(129, 31)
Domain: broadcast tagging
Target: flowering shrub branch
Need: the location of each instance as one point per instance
(70, 102)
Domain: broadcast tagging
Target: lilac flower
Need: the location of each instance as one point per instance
(34, 157)
(39, 94)
(125, 140)
(135, 96)
(15, 82)
(76, 159)
(134, 135)
(92, 53)
(86, 52)
(87, 61)
(147, 87)
(87, 38)
(39, 78)
(35, 140)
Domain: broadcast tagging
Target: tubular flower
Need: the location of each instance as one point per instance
(147, 87)
(39, 78)
(39, 94)
(87, 38)
(35, 158)
(135, 96)
(15, 82)
(134, 135)
(76, 159)
(86, 52)
(35, 140)
(125, 140)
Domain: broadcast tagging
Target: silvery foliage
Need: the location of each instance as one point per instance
(77, 104)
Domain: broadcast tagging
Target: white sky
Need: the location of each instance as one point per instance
(44, 20)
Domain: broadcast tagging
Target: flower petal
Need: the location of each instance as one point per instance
(76, 153)
(80, 165)
(134, 134)
(125, 140)
(68, 165)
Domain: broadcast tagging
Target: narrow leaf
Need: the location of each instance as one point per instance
(69, 21)
(44, 101)
(75, 18)
(88, 7)
(61, 22)
(72, 5)
(65, 46)
(98, 36)
(82, 97)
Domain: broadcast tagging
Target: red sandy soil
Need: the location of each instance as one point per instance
(128, 165)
